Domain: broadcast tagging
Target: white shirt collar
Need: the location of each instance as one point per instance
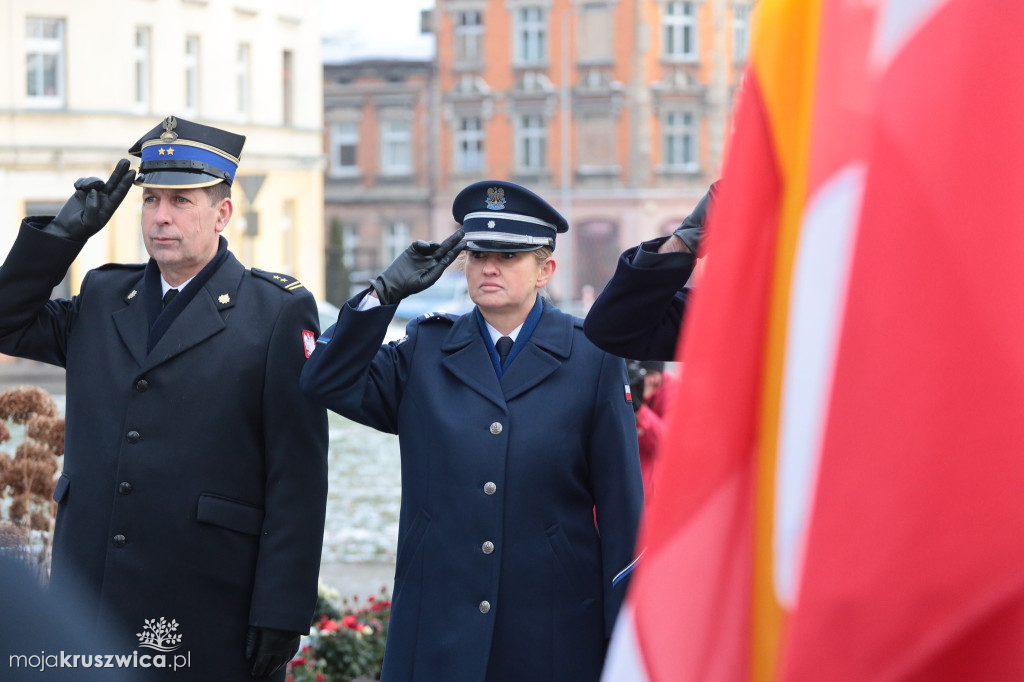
(495, 334)
(164, 286)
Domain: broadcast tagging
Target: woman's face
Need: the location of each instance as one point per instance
(506, 283)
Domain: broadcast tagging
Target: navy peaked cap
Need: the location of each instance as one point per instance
(502, 216)
(180, 153)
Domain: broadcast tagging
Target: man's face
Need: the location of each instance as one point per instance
(180, 228)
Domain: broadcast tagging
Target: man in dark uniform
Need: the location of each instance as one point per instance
(191, 504)
(640, 312)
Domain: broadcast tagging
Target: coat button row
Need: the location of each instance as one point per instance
(496, 428)
(141, 385)
(119, 540)
(485, 606)
(124, 487)
(490, 488)
(487, 547)
(134, 437)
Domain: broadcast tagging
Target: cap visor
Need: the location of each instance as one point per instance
(501, 247)
(171, 179)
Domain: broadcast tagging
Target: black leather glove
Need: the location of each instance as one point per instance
(416, 268)
(269, 650)
(92, 204)
(691, 229)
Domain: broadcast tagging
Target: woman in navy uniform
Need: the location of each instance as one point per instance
(502, 573)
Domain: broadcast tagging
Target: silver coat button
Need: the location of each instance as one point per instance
(485, 606)
(487, 547)
(496, 428)
(490, 488)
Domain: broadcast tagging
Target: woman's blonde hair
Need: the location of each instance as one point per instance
(541, 255)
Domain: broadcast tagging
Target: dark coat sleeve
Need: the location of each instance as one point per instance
(640, 312)
(295, 437)
(351, 373)
(31, 325)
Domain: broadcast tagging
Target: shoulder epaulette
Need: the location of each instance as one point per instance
(122, 266)
(437, 317)
(284, 281)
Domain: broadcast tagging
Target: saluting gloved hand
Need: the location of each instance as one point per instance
(92, 204)
(269, 650)
(691, 230)
(416, 268)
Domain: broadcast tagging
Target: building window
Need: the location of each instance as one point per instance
(242, 81)
(396, 239)
(679, 133)
(596, 142)
(531, 144)
(344, 145)
(349, 246)
(141, 58)
(679, 26)
(396, 147)
(288, 235)
(740, 33)
(469, 33)
(286, 87)
(594, 35)
(469, 144)
(44, 62)
(192, 74)
(530, 36)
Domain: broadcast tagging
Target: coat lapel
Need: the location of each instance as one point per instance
(131, 322)
(467, 358)
(547, 348)
(204, 316)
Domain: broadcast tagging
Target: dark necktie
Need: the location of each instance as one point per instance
(169, 296)
(503, 346)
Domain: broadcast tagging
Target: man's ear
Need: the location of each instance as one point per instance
(224, 211)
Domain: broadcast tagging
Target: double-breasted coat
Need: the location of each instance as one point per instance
(194, 480)
(501, 572)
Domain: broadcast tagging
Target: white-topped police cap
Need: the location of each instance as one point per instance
(504, 217)
(180, 153)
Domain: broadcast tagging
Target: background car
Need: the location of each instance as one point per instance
(449, 294)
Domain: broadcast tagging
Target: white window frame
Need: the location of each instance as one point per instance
(191, 61)
(37, 49)
(242, 82)
(343, 134)
(679, 139)
(395, 239)
(469, 144)
(396, 146)
(679, 30)
(531, 139)
(469, 36)
(141, 62)
(740, 33)
(531, 35)
(349, 246)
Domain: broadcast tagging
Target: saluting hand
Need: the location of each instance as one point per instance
(691, 230)
(417, 268)
(92, 204)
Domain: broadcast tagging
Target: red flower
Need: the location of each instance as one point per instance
(350, 622)
(297, 661)
(319, 677)
(371, 599)
(329, 625)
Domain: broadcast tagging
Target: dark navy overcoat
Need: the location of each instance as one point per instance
(640, 312)
(194, 481)
(501, 573)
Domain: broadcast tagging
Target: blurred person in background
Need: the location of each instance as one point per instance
(640, 311)
(513, 430)
(194, 484)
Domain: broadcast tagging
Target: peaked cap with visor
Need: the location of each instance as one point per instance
(183, 154)
(503, 217)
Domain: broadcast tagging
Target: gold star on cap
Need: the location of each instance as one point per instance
(170, 151)
(224, 299)
(160, 151)
(132, 295)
